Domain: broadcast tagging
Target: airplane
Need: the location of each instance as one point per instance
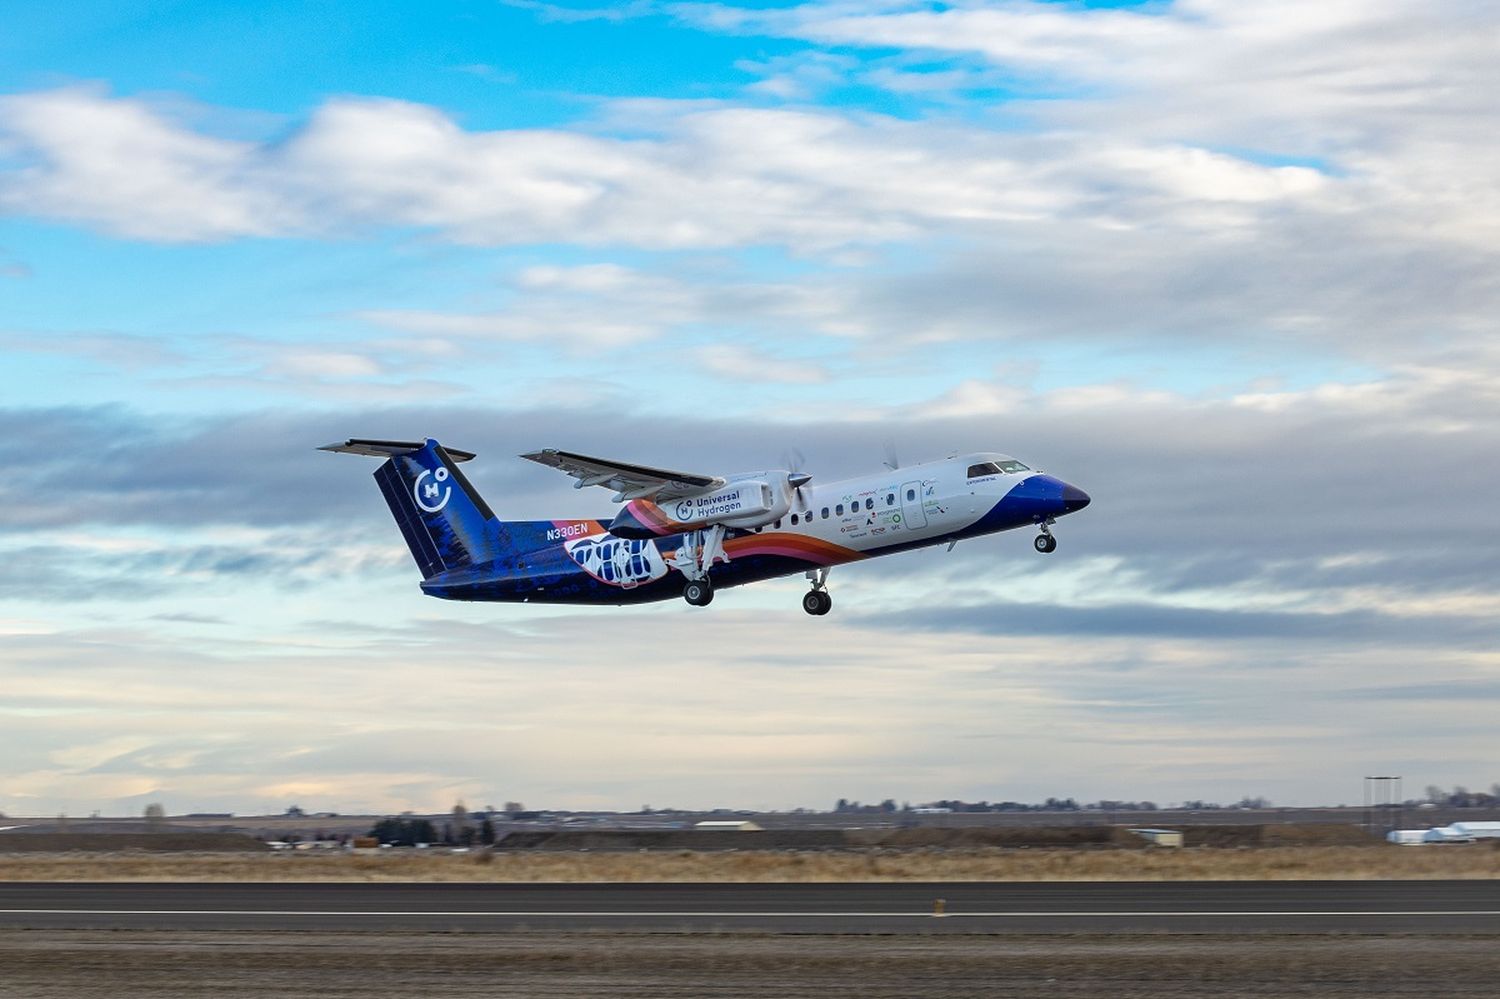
(687, 534)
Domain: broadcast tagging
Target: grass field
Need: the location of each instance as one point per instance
(983, 864)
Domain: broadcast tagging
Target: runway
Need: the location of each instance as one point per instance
(1220, 907)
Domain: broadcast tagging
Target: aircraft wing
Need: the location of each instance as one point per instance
(629, 480)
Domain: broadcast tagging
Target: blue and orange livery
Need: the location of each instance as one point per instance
(466, 552)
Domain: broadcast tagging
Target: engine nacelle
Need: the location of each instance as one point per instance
(745, 504)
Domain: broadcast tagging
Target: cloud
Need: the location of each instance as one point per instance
(571, 15)
(1294, 208)
(119, 165)
(1327, 503)
(1254, 583)
(718, 177)
(492, 710)
(1387, 92)
(740, 364)
(109, 349)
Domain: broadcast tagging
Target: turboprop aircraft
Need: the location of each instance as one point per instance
(686, 534)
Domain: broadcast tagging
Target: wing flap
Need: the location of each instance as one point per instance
(626, 478)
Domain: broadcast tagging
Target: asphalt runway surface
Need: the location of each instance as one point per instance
(1218, 907)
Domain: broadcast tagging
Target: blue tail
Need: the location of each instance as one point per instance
(446, 523)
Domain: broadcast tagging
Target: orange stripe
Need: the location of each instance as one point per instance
(791, 546)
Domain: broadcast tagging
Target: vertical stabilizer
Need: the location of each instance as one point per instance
(446, 523)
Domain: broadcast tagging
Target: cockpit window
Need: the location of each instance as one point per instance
(984, 468)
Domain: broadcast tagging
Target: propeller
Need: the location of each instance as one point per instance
(890, 454)
(794, 459)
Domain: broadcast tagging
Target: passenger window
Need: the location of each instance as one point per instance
(890, 499)
(839, 509)
(869, 504)
(778, 524)
(794, 520)
(911, 494)
(825, 513)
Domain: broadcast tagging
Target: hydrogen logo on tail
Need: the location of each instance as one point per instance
(425, 492)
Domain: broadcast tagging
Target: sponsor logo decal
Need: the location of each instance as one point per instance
(432, 495)
(725, 503)
(617, 561)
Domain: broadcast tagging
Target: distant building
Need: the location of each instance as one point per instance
(1160, 837)
(728, 825)
(1458, 832)
(1407, 837)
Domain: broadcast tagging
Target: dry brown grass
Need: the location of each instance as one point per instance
(1192, 864)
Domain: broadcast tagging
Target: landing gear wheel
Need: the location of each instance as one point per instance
(817, 602)
(698, 592)
(1045, 543)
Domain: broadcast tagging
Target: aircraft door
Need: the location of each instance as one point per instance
(912, 514)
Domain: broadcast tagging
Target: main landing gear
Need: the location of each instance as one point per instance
(698, 592)
(700, 550)
(816, 601)
(1045, 542)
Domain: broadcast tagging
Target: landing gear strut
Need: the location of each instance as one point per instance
(699, 551)
(816, 601)
(1045, 542)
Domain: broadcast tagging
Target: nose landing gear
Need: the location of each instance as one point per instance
(1045, 542)
(817, 601)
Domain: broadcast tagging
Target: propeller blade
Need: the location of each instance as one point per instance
(798, 479)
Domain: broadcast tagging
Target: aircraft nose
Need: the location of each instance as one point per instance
(1073, 498)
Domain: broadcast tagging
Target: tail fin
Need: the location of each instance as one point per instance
(447, 525)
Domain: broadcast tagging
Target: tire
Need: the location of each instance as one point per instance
(812, 602)
(1045, 543)
(698, 592)
(827, 602)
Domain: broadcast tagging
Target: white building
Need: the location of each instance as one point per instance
(1458, 832)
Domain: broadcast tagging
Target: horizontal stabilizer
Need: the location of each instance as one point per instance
(389, 449)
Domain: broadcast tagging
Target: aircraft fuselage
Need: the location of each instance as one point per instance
(830, 523)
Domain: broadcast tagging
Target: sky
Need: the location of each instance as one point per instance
(1229, 266)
